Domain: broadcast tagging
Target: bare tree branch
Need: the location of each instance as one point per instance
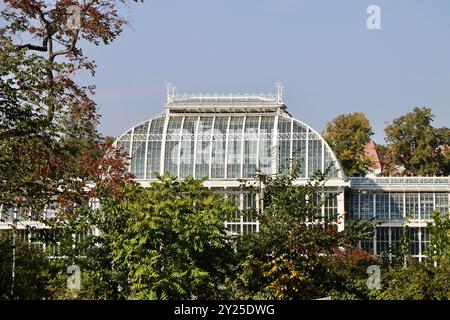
(34, 47)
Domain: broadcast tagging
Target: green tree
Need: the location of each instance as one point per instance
(347, 135)
(415, 147)
(48, 133)
(439, 232)
(407, 279)
(50, 149)
(289, 258)
(101, 279)
(347, 274)
(31, 269)
(417, 281)
(174, 244)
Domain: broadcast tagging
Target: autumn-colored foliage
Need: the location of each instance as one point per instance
(50, 148)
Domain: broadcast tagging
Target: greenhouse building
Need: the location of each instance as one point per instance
(229, 138)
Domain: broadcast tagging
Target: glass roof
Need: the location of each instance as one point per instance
(223, 146)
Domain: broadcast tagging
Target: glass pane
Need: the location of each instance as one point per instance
(366, 209)
(265, 145)
(330, 164)
(249, 207)
(426, 205)
(250, 146)
(442, 203)
(353, 205)
(414, 241)
(314, 154)
(138, 150)
(382, 240)
(382, 206)
(218, 148)
(396, 206)
(203, 147)
(331, 206)
(284, 142)
(187, 147)
(396, 237)
(299, 146)
(171, 154)
(154, 147)
(234, 147)
(412, 205)
(367, 245)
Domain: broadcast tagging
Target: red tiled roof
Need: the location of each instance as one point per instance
(370, 150)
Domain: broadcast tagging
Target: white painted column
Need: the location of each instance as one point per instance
(404, 205)
(390, 242)
(419, 206)
(180, 145)
(211, 141)
(258, 135)
(194, 158)
(341, 209)
(420, 242)
(242, 207)
(291, 152)
(163, 146)
(323, 157)
(307, 154)
(146, 149)
(131, 149)
(275, 147)
(389, 211)
(226, 148)
(434, 203)
(242, 147)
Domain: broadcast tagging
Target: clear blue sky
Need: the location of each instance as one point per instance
(322, 51)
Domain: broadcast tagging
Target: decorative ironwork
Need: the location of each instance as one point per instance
(174, 98)
(399, 180)
(140, 137)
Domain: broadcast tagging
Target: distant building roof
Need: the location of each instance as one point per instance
(370, 150)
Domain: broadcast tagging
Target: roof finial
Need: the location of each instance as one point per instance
(280, 88)
(170, 92)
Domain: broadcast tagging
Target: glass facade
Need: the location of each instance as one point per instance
(224, 139)
(392, 210)
(386, 241)
(395, 206)
(223, 147)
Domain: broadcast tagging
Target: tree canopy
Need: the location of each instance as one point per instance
(415, 147)
(173, 244)
(347, 136)
(50, 149)
(296, 252)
